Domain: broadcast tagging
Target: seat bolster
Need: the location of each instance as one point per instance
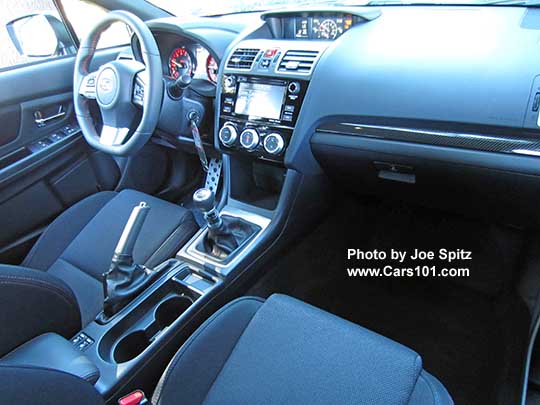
(194, 368)
(292, 352)
(429, 391)
(64, 229)
(34, 302)
(42, 386)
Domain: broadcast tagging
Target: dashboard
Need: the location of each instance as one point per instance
(412, 98)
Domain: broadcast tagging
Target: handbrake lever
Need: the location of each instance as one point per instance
(125, 280)
(123, 254)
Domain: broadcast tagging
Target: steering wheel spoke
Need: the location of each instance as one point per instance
(88, 84)
(112, 136)
(139, 87)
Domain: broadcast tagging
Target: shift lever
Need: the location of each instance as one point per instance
(205, 201)
(225, 233)
(125, 280)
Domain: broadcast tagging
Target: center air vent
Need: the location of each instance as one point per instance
(242, 58)
(298, 61)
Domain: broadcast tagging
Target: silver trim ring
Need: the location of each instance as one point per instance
(255, 139)
(279, 146)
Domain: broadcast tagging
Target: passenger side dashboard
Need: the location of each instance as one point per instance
(406, 101)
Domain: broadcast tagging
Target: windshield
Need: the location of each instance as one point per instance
(213, 7)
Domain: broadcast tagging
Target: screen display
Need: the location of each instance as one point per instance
(259, 100)
(322, 26)
(302, 28)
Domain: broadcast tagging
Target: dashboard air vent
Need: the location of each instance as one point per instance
(298, 61)
(242, 58)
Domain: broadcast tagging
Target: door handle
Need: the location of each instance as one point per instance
(41, 121)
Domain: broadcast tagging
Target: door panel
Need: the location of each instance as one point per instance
(10, 117)
(45, 164)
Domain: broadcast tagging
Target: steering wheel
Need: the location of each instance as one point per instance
(121, 88)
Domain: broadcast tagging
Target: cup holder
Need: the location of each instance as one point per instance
(168, 311)
(131, 346)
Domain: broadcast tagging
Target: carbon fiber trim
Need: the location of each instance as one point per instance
(483, 142)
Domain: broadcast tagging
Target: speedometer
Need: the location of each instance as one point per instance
(328, 29)
(180, 62)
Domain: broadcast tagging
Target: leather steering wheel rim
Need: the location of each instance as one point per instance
(110, 86)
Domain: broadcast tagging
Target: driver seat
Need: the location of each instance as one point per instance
(58, 287)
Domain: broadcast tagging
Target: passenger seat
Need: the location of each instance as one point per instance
(281, 351)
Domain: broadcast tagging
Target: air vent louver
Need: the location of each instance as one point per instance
(298, 61)
(242, 58)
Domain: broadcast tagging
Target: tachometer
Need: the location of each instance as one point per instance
(180, 62)
(211, 69)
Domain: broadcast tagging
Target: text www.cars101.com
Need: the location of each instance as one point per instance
(418, 271)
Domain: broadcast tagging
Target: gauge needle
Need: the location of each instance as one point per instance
(178, 65)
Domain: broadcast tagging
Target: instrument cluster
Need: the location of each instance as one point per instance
(319, 27)
(194, 60)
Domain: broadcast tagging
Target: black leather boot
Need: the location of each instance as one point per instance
(225, 233)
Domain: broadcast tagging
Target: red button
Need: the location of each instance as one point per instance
(134, 398)
(270, 52)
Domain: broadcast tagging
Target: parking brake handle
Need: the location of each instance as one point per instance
(125, 280)
(124, 249)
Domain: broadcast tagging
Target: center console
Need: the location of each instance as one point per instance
(261, 95)
(258, 114)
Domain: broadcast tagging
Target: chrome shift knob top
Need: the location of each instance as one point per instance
(204, 199)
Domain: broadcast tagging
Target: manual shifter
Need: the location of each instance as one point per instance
(225, 233)
(125, 279)
(205, 201)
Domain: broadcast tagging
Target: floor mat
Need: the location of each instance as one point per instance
(470, 333)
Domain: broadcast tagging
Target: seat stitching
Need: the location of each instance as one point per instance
(434, 393)
(193, 337)
(417, 377)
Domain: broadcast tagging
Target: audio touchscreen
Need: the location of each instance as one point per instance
(260, 100)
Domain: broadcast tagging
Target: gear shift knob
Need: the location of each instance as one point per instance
(205, 200)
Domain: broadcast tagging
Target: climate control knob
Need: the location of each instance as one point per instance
(274, 143)
(249, 138)
(228, 134)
